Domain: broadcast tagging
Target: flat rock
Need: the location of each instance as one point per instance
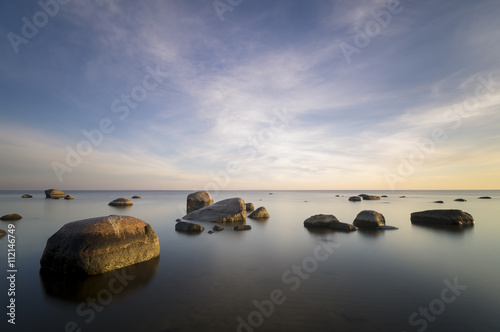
(260, 213)
(384, 196)
(442, 217)
(369, 197)
(355, 199)
(121, 202)
(26, 196)
(198, 200)
(369, 219)
(460, 200)
(250, 207)
(11, 217)
(231, 210)
(440, 202)
(136, 197)
(188, 227)
(242, 228)
(485, 197)
(98, 245)
(54, 193)
(328, 221)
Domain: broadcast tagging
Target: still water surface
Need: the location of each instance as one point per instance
(277, 277)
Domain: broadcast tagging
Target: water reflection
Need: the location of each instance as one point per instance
(452, 229)
(77, 288)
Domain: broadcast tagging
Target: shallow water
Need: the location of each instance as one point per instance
(319, 281)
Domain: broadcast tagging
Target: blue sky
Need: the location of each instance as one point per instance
(249, 94)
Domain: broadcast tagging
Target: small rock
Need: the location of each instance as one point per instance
(402, 196)
(485, 197)
(355, 199)
(383, 196)
(54, 193)
(121, 202)
(218, 228)
(211, 231)
(188, 227)
(69, 197)
(460, 200)
(250, 207)
(11, 217)
(440, 202)
(136, 197)
(369, 219)
(198, 200)
(242, 227)
(260, 213)
(2, 233)
(27, 196)
(337, 195)
(369, 197)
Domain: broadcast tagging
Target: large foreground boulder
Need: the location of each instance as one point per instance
(98, 245)
(328, 221)
(121, 202)
(198, 200)
(231, 210)
(442, 217)
(54, 193)
(188, 227)
(369, 219)
(260, 213)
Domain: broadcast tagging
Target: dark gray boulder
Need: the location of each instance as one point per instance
(54, 193)
(369, 219)
(231, 210)
(485, 197)
(98, 245)
(355, 199)
(442, 217)
(460, 200)
(198, 200)
(11, 217)
(439, 202)
(242, 228)
(120, 202)
(328, 221)
(188, 227)
(260, 213)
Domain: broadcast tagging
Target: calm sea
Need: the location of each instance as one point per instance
(279, 276)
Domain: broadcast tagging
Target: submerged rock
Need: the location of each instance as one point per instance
(121, 202)
(231, 210)
(242, 228)
(198, 200)
(260, 213)
(188, 227)
(355, 199)
(442, 217)
(250, 207)
(54, 193)
(328, 221)
(11, 217)
(26, 196)
(98, 245)
(369, 219)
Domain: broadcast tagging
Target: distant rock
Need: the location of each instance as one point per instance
(69, 197)
(2, 233)
(218, 228)
(188, 227)
(402, 196)
(369, 197)
(136, 197)
(328, 221)
(198, 200)
(27, 196)
(231, 210)
(355, 199)
(460, 200)
(337, 195)
(54, 193)
(120, 202)
(440, 202)
(369, 219)
(485, 197)
(98, 245)
(383, 196)
(260, 213)
(250, 207)
(11, 217)
(442, 217)
(242, 228)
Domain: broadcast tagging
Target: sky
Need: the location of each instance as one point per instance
(250, 95)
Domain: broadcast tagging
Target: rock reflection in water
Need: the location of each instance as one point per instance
(77, 288)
